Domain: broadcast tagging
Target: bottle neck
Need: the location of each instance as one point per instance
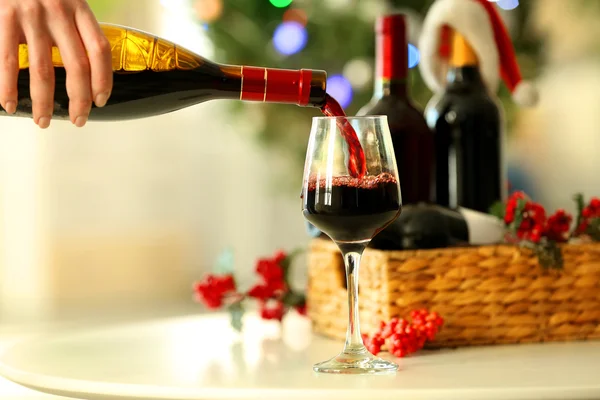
(391, 88)
(391, 56)
(463, 66)
(303, 87)
(465, 76)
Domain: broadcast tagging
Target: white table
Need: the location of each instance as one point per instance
(201, 358)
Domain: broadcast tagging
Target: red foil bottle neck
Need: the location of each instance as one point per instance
(303, 87)
(392, 47)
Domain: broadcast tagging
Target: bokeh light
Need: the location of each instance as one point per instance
(281, 3)
(312, 230)
(208, 10)
(289, 38)
(295, 15)
(414, 56)
(339, 5)
(508, 4)
(340, 89)
(359, 73)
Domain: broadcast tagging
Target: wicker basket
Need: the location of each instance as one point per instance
(487, 295)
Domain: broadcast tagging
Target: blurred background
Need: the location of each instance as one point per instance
(121, 218)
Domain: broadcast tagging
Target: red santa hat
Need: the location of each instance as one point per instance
(481, 25)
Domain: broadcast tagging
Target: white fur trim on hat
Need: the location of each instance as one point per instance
(525, 94)
(471, 20)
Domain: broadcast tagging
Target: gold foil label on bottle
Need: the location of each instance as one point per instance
(133, 51)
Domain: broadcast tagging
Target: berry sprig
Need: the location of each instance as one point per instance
(272, 291)
(401, 337)
(529, 226)
(588, 219)
(214, 290)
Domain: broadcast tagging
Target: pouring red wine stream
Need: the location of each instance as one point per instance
(357, 165)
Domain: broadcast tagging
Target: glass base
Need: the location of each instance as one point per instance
(363, 363)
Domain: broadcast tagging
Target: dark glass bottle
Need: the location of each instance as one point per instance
(412, 139)
(153, 76)
(469, 141)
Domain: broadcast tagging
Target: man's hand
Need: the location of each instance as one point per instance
(69, 25)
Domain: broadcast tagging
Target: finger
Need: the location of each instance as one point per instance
(99, 54)
(76, 64)
(41, 71)
(9, 60)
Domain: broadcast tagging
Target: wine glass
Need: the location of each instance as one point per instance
(351, 211)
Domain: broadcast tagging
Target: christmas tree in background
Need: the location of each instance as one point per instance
(333, 35)
(339, 39)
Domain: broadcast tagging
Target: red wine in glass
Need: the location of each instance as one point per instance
(356, 156)
(352, 209)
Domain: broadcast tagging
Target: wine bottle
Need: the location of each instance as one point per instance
(429, 226)
(466, 120)
(153, 76)
(412, 139)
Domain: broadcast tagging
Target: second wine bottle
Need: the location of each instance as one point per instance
(469, 141)
(412, 139)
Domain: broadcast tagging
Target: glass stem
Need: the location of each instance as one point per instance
(352, 255)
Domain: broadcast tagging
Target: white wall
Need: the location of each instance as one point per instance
(130, 213)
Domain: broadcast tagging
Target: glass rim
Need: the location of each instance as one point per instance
(362, 117)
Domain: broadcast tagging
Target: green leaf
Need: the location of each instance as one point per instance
(498, 209)
(549, 255)
(286, 264)
(580, 204)
(594, 229)
(236, 313)
(225, 263)
(514, 226)
(293, 299)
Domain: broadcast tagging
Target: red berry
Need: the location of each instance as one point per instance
(583, 226)
(269, 270)
(260, 292)
(535, 235)
(301, 309)
(272, 310)
(388, 329)
(532, 223)
(212, 289)
(511, 206)
(225, 283)
(402, 344)
(402, 337)
(264, 291)
(591, 211)
(374, 343)
(436, 319)
(208, 298)
(373, 348)
(558, 226)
